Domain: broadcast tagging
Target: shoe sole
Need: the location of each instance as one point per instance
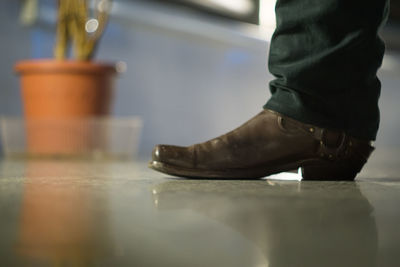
(311, 170)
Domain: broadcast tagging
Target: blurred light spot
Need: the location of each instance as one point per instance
(92, 25)
(121, 66)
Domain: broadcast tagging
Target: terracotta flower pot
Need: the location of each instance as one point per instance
(57, 97)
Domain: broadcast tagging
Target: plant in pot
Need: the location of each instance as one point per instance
(60, 94)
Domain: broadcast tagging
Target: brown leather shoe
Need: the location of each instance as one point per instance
(266, 144)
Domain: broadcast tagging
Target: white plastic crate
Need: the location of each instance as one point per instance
(100, 137)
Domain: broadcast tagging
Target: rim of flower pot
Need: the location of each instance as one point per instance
(70, 66)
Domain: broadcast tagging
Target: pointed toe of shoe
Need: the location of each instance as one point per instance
(159, 153)
(172, 155)
(158, 157)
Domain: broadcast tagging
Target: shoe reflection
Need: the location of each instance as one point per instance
(293, 224)
(60, 222)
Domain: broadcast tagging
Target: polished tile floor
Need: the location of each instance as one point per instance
(78, 213)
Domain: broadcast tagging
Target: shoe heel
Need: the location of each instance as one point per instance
(337, 171)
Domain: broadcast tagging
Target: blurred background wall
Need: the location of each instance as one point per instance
(195, 69)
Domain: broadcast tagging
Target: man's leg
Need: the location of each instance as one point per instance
(323, 111)
(325, 55)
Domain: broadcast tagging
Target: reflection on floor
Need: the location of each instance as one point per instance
(74, 213)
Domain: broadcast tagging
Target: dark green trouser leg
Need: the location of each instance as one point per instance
(325, 55)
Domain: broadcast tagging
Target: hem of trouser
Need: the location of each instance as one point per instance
(286, 110)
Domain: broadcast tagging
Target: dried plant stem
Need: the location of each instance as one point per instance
(71, 29)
